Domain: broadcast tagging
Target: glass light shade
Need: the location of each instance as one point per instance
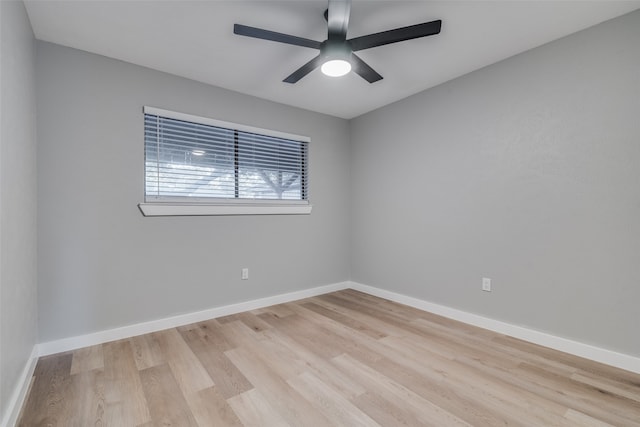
(336, 67)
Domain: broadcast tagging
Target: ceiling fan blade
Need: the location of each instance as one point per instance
(397, 35)
(364, 70)
(258, 33)
(338, 19)
(304, 70)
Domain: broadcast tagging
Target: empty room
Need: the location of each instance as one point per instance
(319, 213)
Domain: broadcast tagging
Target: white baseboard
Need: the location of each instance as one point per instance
(587, 351)
(20, 391)
(598, 354)
(100, 337)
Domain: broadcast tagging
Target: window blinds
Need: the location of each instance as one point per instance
(197, 159)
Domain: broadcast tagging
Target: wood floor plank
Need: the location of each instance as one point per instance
(238, 333)
(281, 361)
(319, 366)
(606, 384)
(254, 322)
(49, 394)
(584, 419)
(279, 310)
(410, 377)
(386, 411)
(352, 312)
(590, 400)
(210, 331)
(345, 320)
(570, 360)
(88, 407)
(335, 407)
(125, 402)
(254, 410)
(384, 306)
(311, 340)
(186, 367)
(167, 404)
(479, 347)
(287, 402)
(87, 359)
(417, 376)
(228, 379)
(344, 358)
(146, 351)
(365, 314)
(210, 408)
(425, 411)
(503, 396)
(333, 334)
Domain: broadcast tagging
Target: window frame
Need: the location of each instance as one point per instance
(182, 206)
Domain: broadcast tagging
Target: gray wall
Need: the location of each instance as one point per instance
(18, 311)
(526, 172)
(102, 264)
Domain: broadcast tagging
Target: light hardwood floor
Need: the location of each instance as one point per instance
(344, 358)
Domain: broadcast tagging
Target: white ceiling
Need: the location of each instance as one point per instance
(195, 39)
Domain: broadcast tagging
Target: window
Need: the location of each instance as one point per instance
(200, 166)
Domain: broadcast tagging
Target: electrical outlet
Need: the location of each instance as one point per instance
(245, 274)
(486, 284)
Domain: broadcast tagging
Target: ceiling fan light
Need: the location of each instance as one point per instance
(336, 67)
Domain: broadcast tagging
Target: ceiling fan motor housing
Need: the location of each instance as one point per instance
(336, 49)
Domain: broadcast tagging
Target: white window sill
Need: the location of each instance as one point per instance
(179, 209)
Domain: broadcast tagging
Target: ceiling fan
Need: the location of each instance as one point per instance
(337, 57)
